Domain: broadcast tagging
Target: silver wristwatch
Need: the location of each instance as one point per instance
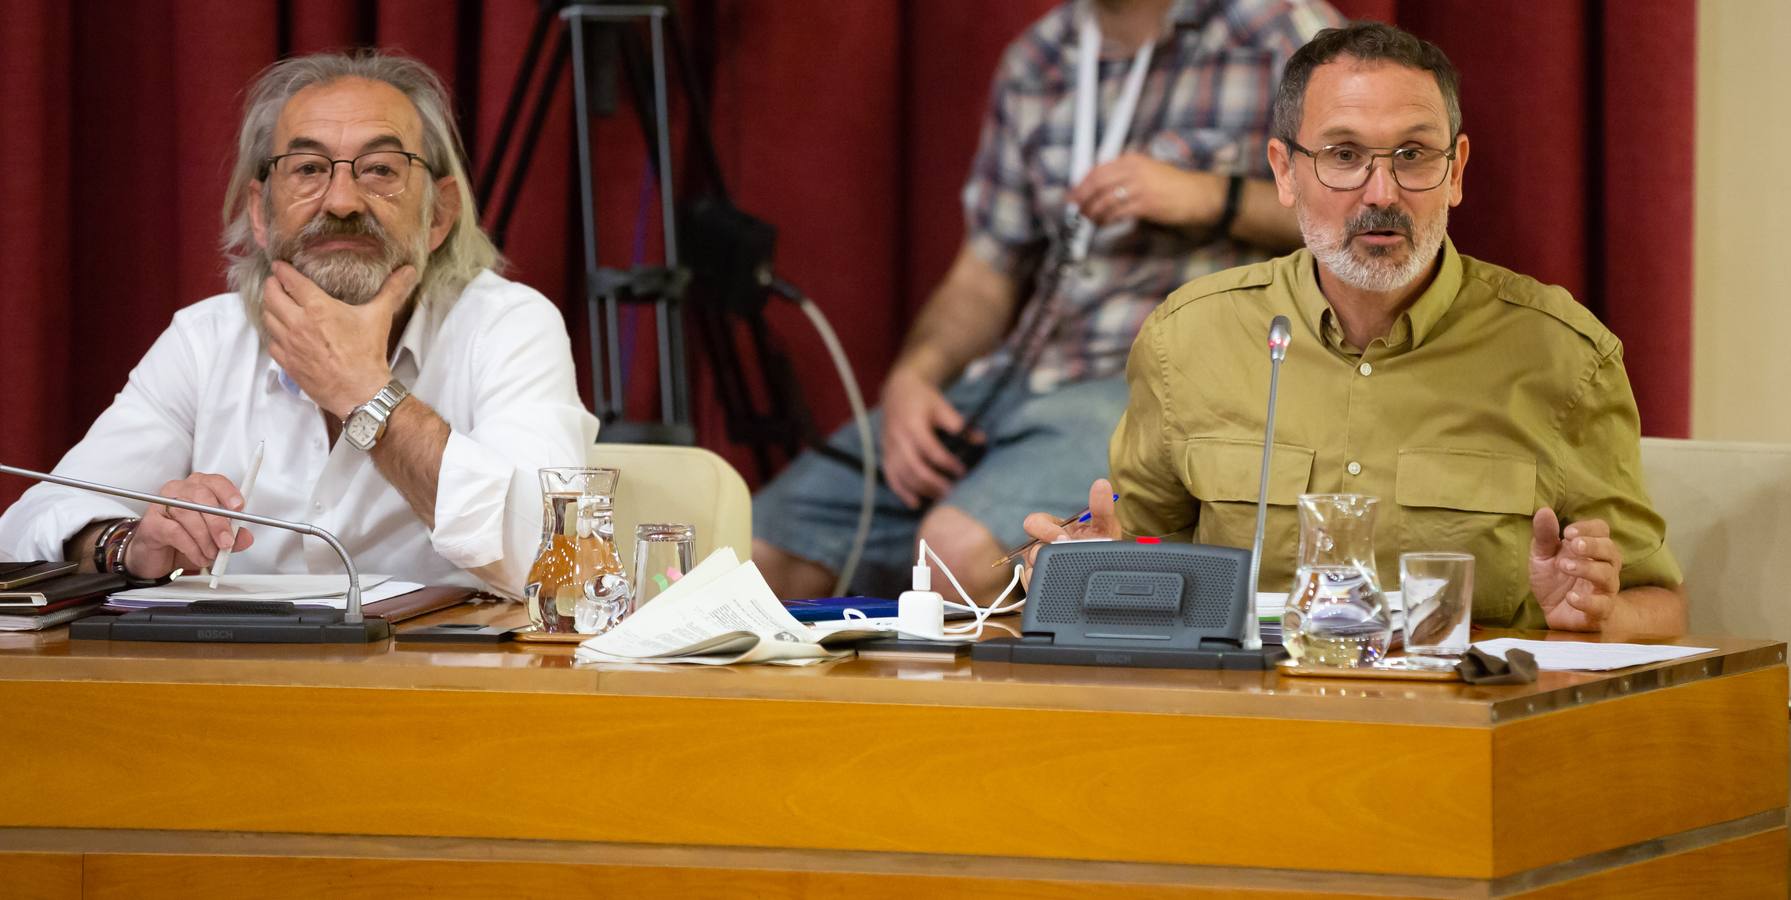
(366, 423)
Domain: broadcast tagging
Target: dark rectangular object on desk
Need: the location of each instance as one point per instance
(16, 575)
(60, 588)
(233, 622)
(27, 612)
(456, 633)
(1031, 649)
(268, 623)
(1116, 603)
(421, 601)
(907, 648)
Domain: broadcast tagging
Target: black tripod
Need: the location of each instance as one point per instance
(729, 264)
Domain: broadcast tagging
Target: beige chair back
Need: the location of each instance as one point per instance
(691, 485)
(1728, 512)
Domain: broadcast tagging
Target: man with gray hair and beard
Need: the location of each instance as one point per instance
(1483, 408)
(405, 393)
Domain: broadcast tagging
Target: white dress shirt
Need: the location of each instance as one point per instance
(496, 365)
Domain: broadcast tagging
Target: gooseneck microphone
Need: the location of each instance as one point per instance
(1280, 334)
(242, 622)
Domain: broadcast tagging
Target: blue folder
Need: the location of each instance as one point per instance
(827, 609)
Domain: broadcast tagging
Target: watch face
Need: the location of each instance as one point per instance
(361, 429)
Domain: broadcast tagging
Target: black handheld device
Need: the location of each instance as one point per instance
(960, 445)
(456, 633)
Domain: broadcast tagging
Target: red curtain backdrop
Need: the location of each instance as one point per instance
(847, 125)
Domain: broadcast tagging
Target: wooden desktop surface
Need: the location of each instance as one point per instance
(532, 667)
(1133, 782)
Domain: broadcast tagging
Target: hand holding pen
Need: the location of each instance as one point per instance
(170, 537)
(224, 549)
(1099, 520)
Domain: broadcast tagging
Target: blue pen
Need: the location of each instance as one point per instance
(1020, 551)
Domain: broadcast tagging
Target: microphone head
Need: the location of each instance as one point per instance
(1280, 335)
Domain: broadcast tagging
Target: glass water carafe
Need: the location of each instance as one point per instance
(577, 568)
(1336, 614)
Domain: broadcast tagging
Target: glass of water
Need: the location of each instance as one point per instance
(662, 554)
(1438, 594)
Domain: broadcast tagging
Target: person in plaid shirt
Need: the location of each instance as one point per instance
(1021, 349)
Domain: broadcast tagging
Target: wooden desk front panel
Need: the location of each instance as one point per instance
(1740, 868)
(1044, 763)
(40, 876)
(816, 775)
(1070, 784)
(1623, 771)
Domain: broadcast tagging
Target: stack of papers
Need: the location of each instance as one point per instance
(53, 599)
(721, 612)
(330, 591)
(1586, 656)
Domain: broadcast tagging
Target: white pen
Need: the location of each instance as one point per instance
(223, 560)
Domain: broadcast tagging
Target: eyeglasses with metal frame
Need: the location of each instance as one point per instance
(1347, 167)
(306, 176)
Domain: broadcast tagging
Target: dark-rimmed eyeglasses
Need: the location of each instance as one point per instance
(306, 176)
(1346, 167)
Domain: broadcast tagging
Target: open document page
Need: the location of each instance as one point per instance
(303, 590)
(1587, 656)
(721, 613)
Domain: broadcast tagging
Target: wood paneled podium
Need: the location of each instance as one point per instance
(144, 771)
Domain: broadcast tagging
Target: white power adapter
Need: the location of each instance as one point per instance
(920, 612)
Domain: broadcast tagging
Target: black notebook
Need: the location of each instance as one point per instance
(21, 601)
(15, 575)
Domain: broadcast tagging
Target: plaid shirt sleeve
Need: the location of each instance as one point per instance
(1231, 132)
(999, 223)
(1283, 26)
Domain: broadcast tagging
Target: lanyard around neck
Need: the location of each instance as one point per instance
(1080, 231)
(1088, 88)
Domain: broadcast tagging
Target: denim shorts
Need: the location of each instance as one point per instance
(1044, 451)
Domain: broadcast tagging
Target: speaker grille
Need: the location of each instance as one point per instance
(1209, 603)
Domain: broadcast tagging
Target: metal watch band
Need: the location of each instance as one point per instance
(388, 398)
(380, 408)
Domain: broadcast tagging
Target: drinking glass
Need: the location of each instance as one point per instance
(662, 554)
(1438, 594)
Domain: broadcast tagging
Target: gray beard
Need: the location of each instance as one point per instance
(351, 277)
(346, 276)
(1373, 269)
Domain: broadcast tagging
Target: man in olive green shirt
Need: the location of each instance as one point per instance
(1482, 407)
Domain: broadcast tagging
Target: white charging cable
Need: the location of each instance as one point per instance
(921, 611)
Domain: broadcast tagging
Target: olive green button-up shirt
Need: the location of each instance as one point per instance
(1494, 395)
